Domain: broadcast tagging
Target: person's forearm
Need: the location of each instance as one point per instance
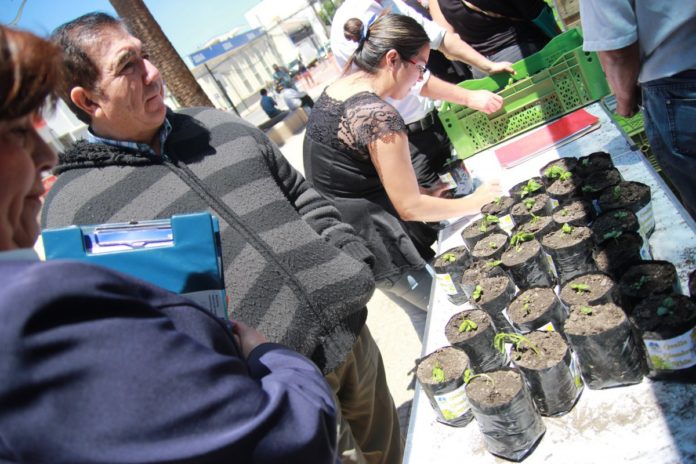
(622, 67)
(479, 100)
(455, 48)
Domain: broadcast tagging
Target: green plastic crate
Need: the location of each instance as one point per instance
(548, 84)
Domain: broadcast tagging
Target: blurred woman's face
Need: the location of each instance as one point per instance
(411, 72)
(23, 157)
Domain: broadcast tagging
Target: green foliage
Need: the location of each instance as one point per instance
(535, 218)
(620, 215)
(564, 212)
(531, 187)
(567, 228)
(666, 308)
(494, 263)
(589, 188)
(616, 192)
(497, 200)
(612, 234)
(438, 374)
(586, 310)
(449, 257)
(640, 282)
(519, 238)
(491, 219)
(477, 293)
(469, 376)
(492, 245)
(467, 325)
(529, 203)
(554, 172)
(580, 288)
(516, 339)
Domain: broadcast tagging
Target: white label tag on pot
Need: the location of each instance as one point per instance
(645, 252)
(575, 371)
(506, 223)
(646, 219)
(444, 281)
(554, 203)
(548, 327)
(552, 266)
(673, 354)
(453, 404)
(448, 179)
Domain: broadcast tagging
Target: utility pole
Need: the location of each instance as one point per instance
(221, 88)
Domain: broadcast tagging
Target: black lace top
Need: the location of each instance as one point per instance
(337, 162)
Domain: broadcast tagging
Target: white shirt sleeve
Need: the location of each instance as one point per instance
(435, 32)
(608, 24)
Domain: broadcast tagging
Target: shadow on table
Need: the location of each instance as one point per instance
(678, 404)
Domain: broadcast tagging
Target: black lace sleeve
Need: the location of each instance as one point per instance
(369, 118)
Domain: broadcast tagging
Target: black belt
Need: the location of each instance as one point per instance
(426, 123)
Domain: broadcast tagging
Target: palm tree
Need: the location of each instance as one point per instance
(178, 77)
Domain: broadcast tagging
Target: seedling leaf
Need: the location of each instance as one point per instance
(497, 262)
(612, 234)
(567, 228)
(477, 293)
(620, 215)
(586, 310)
(438, 373)
(580, 288)
(516, 339)
(449, 257)
(467, 325)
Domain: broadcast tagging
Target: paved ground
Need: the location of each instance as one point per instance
(397, 326)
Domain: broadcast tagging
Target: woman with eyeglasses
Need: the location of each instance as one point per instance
(356, 153)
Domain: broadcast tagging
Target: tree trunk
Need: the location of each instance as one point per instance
(177, 76)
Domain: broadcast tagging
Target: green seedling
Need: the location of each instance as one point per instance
(483, 227)
(519, 238)
(438, 374)
(493, 245)
(497, 262)
(666, 308)
(497, 200)
(525, 306)
(557, 172)
(449, 257)
(564, 212)
(529, 203)
(467, 325)
(620, 215)
(567, 228)
(535, 218)
(491, 219)
(586, 310)
(580, 288)
(565, 176)
(516, 339)
(531, 187)
(640, 282)
(612, 234)
(589, 189)
(616, 192)
(469, 376)
(477, 293)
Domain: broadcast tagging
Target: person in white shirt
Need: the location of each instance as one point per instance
(294, 99)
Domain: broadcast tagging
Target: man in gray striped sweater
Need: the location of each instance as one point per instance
(293, 270)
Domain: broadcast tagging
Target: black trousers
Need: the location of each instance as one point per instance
(430, 150)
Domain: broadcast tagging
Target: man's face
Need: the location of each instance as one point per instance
(129, 93)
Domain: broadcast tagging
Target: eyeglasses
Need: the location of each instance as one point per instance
(421, 69)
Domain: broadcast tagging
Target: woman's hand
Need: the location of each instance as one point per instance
(247, 337)
(484, 100)
(500, 66)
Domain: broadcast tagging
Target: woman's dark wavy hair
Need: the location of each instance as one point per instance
(29, 72)
(388, 32)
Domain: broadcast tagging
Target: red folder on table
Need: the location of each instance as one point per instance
(554, 134)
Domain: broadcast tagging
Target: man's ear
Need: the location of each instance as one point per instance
(83, 98)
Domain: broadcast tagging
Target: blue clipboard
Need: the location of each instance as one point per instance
(181, 254)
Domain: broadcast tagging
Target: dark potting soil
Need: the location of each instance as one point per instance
(538, 205)
(597, 161)
(601, 318)
(490, 247)
(452, 361)
(551, 349)
(648, 278)
(457, 257)
(539, 226)
(499, 207)
(575, 213)
(609, 224)
(564, 191)
(597, 181)
(567, 164)
(615, 255)
(477, 230)
(493, 288)
(676, 316)
(527, 188)
(495, 388)
(534, 308)
(629, 195)
(602, 289)
(478, 317)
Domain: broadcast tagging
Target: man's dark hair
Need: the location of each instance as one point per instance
(74, 38)
(264, 92)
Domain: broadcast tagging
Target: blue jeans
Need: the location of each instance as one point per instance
(670, 124)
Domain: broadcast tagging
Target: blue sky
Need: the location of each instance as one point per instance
(187, 23)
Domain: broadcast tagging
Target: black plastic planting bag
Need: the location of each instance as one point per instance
(478, 344)
(510, 430)
(610, 358)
